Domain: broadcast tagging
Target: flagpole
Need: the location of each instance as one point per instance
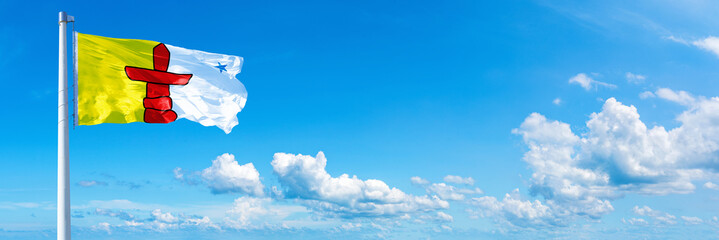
(63, 156)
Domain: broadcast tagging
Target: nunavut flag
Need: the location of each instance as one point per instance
(128, 80)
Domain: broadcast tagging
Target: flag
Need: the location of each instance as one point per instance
(129, 80)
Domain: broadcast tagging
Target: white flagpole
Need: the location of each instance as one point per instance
(63, 156)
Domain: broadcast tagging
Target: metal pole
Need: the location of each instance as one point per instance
(63, 156)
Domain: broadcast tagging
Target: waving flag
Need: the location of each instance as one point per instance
(129, 80)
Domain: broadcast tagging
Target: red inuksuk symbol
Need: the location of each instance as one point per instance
(157, 102)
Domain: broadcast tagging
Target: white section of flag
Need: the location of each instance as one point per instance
(212, 97)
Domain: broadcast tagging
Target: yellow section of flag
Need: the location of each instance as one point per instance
(104, 92)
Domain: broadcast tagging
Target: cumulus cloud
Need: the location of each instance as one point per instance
(458, 180)
(635, 78)
(619, 152)
(418, 180)
(710, 44)
(305, 178)
(515, 211)
(444, 217)
(557, 101)
(579, 175)
(166, 217)
(588, 83)
(227, 176)
(660, 216)
(448, 192)
(103, 226)
(259, 212)
(711, 185)
(245, 209)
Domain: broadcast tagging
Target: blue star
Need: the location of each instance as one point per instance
(221, 67)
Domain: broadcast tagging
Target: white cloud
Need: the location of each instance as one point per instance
(114, 213)
(660, 216)
(179, 174)
(256, 213)
(91, 183)
(680, 97)
(617, 155)
(444, 217)
(557, 101)
(418, 180)
(714, 221)
(459, 180)
(710, 44)
(227, 176)
(692, 220)
(350, 226)
(635, 78)
(445, 192)
(711, 185)
(306, 179)
(588, 83)
(246, 209)
(635, 221)
(439, 216)
(167, 217)
(203, 223)
(158, 220)
(515, 211)
(639, 159)
(133, 223)
(103, 226)
(643, 211)
(669, 219)
(677, 40)
(446, 228)
(448, 192)
(646, 94)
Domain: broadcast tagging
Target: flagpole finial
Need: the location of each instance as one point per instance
(63, 17)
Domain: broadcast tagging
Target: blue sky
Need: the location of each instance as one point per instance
(452, 120)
